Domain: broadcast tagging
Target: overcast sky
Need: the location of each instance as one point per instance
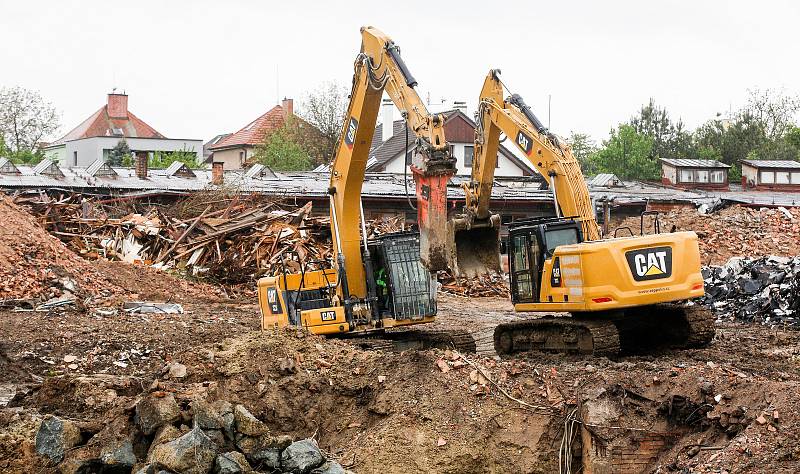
(193, 69)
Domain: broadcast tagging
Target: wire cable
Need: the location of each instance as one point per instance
(405, 161)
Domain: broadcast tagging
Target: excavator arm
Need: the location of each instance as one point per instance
(474, 234)
(378, 69)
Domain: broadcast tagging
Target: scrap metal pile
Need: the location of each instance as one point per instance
(764, 290)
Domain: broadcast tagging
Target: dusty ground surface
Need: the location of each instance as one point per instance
(399, 412)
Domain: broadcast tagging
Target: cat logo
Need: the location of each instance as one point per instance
(273, 301)
(525, 142)
(328, 315)
(350, 136)
(650, 264)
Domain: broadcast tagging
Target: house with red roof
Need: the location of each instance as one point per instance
(96, 136)
(235, 150)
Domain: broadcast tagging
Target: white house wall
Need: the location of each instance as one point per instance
(90, 149)
(506, 168)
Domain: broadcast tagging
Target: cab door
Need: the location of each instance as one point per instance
(524, 268)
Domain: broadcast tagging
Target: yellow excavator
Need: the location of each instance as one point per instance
(616, 290)
(379, 284)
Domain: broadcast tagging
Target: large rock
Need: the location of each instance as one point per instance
(206, 416)
(301, 457)
(192, 453)
(157, 409)
(231, 463)
(119, 457)
(246, 423)
(55, 436)
(263, 451)
(330, 467)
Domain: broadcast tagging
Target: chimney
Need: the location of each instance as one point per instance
(388, 120)
(141, 164)
(117, 105)
(217, 173)
(288, 107)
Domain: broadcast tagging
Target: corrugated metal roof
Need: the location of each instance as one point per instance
(694, 163)
(772, 163)
(177, 168)
(8, 167)
(48, 168)
(606, 180)
(100, 168)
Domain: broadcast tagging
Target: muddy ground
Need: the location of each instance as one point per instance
(414, 411)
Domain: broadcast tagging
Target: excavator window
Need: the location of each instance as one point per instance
(557, 237)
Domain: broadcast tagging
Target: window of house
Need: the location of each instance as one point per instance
(74, 158)
(241, 157)
(702, 176)
(767, 177)
(408, 158)
(687, 176)
(795, 177)
(718, 176)
(469, 155)
(782, 177)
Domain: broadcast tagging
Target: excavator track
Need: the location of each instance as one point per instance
(590, 336)
(418, 339)
(634, 330)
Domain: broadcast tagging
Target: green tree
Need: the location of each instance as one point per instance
(162, 159)
(117, 155)
(583, 147)
(627, 154)
(282, 151)
(670, 139)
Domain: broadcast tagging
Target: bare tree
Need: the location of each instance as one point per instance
(774, 110)
(325, 108)
(25, 118)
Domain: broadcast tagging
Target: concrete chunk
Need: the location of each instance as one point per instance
(55, 436)
(301, 457)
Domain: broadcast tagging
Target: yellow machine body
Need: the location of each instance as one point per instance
(596, 275)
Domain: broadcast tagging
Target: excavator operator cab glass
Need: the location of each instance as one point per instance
(529, 245)
(562, 236)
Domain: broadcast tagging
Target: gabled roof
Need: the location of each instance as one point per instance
(253, 133)
(383, 152)
(48, 168)
(180, 169)
(685, 163)
(99, 124)
(606, 180)
(8, 167)
(772, 163)
(258, 171)
(100, 168)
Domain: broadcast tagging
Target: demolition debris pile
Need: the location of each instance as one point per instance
(232, 245)
(733, 231)
(764, 290)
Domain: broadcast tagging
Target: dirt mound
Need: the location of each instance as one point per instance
(36, 265)
(733, 231)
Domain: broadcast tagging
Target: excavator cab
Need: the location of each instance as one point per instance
(530, 243)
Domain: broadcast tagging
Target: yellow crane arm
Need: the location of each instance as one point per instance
(551, 158)
(378, 69)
